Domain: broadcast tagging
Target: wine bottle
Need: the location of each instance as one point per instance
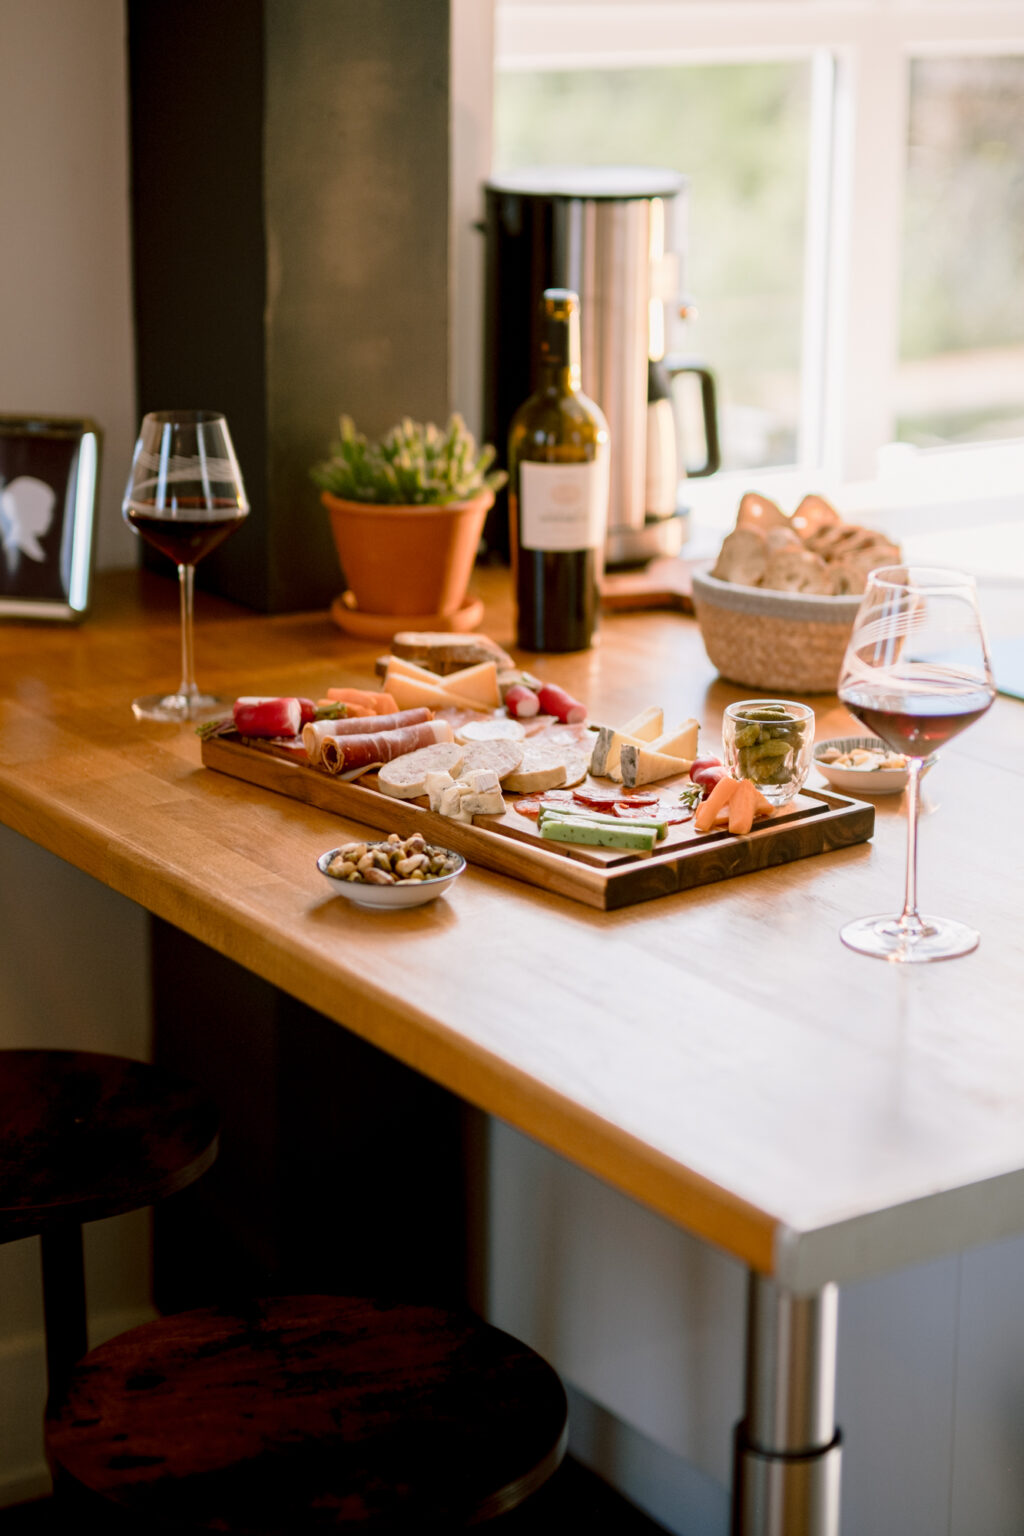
(558, 491)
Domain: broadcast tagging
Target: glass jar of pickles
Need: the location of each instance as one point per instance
(769, 741)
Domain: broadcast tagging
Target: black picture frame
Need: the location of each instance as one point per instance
(49, 472)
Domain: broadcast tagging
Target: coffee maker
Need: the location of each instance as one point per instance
(615, 236)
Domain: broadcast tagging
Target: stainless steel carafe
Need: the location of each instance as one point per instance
(615, 236)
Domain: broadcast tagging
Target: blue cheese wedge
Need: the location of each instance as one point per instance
(641, 765)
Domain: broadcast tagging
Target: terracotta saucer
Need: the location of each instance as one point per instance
(381, 626)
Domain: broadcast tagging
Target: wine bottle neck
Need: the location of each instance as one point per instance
(559, 352)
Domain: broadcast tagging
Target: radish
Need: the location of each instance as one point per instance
(555, 701)
(707, 777)
(267, 717)
(521, 702)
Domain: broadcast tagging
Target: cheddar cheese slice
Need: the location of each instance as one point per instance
(411, 692)
(479, 682)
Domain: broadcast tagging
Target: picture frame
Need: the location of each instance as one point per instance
(49, 471)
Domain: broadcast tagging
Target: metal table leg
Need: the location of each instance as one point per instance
(787, 1454)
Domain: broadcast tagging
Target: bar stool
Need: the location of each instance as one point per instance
(84, 1136)
(307, 1414)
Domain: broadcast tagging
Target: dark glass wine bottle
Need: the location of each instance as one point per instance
(558, 491)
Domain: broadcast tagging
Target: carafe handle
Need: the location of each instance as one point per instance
(673, 367)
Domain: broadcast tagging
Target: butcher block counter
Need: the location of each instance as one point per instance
(715, 1053)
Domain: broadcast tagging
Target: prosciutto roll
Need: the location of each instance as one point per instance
(316, 732)
(340, 754)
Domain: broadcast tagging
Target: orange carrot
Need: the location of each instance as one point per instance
(352, 711)
(708, 809)
(376, 703)
(741, 807)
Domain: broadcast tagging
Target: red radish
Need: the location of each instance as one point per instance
(555, 701)
(521, 702)
(308, 709)
(267, 717)
(700, 763)
(707, 778)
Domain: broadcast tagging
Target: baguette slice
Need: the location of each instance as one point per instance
(443, 651)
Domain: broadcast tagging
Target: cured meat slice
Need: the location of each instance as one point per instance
(406, 778)
(500, 728)
(343, 754)
(548, 765)
(315, 733)
(503, 756)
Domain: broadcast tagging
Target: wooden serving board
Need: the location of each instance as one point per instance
(606, 878)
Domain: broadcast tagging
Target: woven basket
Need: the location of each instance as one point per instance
(782, 641)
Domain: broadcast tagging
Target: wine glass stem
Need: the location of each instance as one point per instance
(910, 918)
(189, 689)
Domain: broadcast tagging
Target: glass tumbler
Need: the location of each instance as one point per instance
(769, 741)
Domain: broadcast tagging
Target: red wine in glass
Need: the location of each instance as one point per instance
(185, 540)
(917, 673)
(184, 497)
(916, 726)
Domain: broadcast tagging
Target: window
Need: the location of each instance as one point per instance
(856, 220)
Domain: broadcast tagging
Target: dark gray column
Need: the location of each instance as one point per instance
(290, 186)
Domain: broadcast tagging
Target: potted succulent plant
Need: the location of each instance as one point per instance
(407, 513)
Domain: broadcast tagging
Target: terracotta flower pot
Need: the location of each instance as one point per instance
(407, 560)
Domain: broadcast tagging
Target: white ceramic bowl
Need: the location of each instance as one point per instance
(862, 781)
(414, 894)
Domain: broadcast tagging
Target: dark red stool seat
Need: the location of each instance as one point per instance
(84, 1136)
(309, 1414)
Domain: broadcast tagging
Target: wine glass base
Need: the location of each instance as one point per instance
(884, 938)
(179, 708)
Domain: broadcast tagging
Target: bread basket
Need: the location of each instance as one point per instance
(784, 642)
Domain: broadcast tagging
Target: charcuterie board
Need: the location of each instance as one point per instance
(815, 822)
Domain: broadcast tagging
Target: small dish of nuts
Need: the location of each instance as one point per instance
(395, 872)
(863, 765)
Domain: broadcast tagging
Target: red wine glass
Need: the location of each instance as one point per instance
(916, 672)
(184, 497)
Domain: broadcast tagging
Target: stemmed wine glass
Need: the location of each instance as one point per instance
(184, 496)
(916, 672)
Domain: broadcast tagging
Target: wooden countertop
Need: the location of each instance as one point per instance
(716, 1054)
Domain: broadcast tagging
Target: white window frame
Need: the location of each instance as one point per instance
(861, 50)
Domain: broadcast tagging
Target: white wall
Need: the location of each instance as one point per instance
(65, 292)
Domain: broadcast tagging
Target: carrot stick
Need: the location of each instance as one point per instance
(352, 711)
(741, 807)
(708, 809)
(378, 703)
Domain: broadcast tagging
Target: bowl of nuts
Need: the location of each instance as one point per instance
(395, 872)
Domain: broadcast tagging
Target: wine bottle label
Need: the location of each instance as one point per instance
(563, 506)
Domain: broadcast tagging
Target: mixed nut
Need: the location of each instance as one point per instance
(395, 861)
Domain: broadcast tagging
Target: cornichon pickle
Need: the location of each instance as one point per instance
(766, 712)
(769, 748)
(747, 735)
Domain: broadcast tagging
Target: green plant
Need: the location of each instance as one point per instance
(412, 465)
